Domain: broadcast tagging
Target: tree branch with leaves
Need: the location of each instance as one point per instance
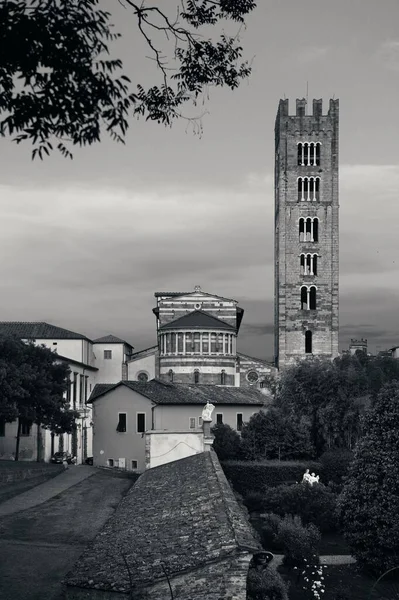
(59, 84)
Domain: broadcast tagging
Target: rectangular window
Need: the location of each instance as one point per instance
(26, 427)
(231, 344)
(192, 422)
(213, 342)
(205, 343)
(2, 428)
(85, 396)
(197, 343)
(173, 343)
(140, 422)
(199, 421)
(107, 354)
(134, 465)
(219, 418)
(74, 390)
(122, 423)
(110, 462)
(239, 421)
(180, 342)
(68, 390)
(189, 342)
(220, 343)
(81, 389)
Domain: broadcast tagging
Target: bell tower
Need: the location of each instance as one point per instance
(306, 232)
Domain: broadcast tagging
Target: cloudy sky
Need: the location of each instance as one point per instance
(86, 243)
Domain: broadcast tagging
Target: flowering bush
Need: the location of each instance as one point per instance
(300, 543)
(312, 579)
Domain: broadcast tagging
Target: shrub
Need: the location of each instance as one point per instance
(266, 584)
(313, 503)
(335, 465)
(227, 443)
(369, 503)
(300, 543)
(248, 476)
(269, 533)
(254, 502)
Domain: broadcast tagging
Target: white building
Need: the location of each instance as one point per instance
(90, 361)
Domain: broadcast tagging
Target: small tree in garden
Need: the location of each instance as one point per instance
(369, 503)
(226, 444)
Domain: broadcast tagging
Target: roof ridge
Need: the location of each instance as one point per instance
(229, 503)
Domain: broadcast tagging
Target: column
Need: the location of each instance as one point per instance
(184, 343)
(177, 341)
(303, 154)
(311, 230)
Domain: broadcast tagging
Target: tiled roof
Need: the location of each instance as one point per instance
(195, 293)
(111, 339)
(183, 515)
(141, 353)
(198, 319)
(263, 361)
(161, 392)
(39, 330)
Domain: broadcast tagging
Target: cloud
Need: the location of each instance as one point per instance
(388, 55)
(89, 258)
(311, 54)
(257, 329)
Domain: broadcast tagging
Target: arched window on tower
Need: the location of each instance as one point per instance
(315, 230)
(301, 230)
(196, 375)
(312, 297)
(303, 264)
(170, 373)
(304, 297)
(308, 342)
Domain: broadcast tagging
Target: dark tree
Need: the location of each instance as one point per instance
(369, 503)
(226, 443)
(59, 83)
(271, 434)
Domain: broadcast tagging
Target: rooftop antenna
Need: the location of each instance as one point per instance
(307, 96)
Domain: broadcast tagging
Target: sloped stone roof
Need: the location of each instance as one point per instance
(198, 319)
(111, 339)
(162, 392)
(182, 514)
(39, 330)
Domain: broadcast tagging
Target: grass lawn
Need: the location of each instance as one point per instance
(345, 582)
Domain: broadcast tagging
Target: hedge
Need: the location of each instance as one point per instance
(254, 476)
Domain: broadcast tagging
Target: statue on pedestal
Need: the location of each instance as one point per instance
(310, 478)
(207, 411)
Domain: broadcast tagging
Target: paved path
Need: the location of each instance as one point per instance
(338, 559)
(44, 491)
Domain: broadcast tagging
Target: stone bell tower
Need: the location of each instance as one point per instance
(306, 232)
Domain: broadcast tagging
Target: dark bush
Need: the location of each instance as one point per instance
(313, 503)
(254, 502)
(266, 584)
(227, 442)
(269, 533)
(248, 476)
(335, 465)
(300, 543)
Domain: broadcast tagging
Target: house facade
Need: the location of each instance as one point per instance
(89, 361)
(124, 412)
